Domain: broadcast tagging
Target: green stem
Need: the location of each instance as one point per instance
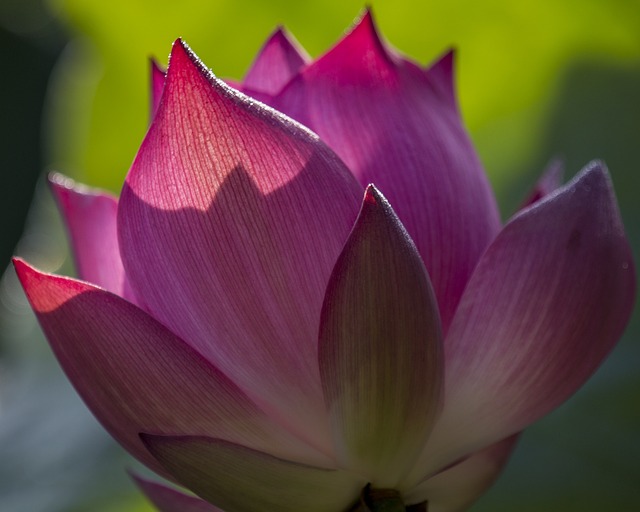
(384, 500)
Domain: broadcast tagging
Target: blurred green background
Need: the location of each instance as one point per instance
(536, 80)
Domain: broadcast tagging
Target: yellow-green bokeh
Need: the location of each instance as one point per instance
(511, 59)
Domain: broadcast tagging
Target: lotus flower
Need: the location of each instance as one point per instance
(257, 323)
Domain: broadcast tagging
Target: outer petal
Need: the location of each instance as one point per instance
(380, 347)
(546, 304)
(136, 376)
(157, 85)
(167, 499)
(550, 180)
(396, 126)
(456, 488)
(230, 221)
(279, 60)
(90, 216)
(238, 479)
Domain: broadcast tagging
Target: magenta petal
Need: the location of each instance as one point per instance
(238, 479)
(136, 376)
(91, 218)
(441, 77)
(394, 125)
(550, 180)
(168, 499)
(380, 347)
(230, 222)
(458, 487)
(547, 302)
(157, 85)
(279, 60)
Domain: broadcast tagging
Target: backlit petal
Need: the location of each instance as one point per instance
(380, 347)
(168, 499)
(279, 60)
(238, 479)
(395, 125)
(136, 376)
(458, 487)
(230, 222)
(91, 219)
(546, 304)
(157, 85)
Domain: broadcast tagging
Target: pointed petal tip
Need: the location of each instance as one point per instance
(279, 33)
(21, 267)
(158, 71)
(595, 171)
(154, 63)
(441, 73)
(28, 275)
(365, 24)
(57, 179)
(372, 194)
(360, 50)
(280, 58)
(366, 15)
(594, 180)
(44, 291)
(181, 55)
(62, 187)
(445, 63)
(285, 38)
(375, 198)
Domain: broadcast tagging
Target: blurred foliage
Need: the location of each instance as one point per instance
(536, 80)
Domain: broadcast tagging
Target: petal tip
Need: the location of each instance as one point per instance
(62, 186)
(45, 291)
(441, 73)
(34, 284)
(183, 57)
(360, 54)
(22, 268)
(371, 194)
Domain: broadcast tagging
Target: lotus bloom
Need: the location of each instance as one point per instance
(257, 323)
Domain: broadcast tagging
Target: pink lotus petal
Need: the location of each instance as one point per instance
(550, 180)
(136, 376)
(279, 60)
(238, 479)
(157, 85)
(380, 347)
(90, 217)
(168, 499)
(458, 487)
(546, 304)
(391, 122)
(441, 77)
(231, 238)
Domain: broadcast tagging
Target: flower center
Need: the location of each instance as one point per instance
(384, 500)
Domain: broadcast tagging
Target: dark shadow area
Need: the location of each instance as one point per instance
(30, 43)
(583, 456)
